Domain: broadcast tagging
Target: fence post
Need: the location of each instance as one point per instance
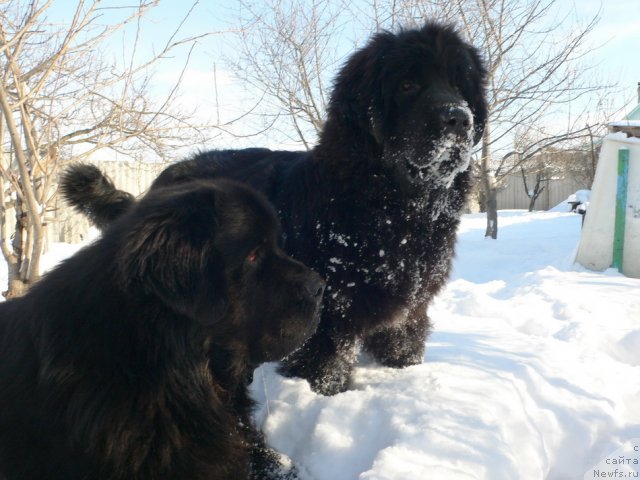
(621, 208)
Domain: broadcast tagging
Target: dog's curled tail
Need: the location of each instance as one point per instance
(93, 194)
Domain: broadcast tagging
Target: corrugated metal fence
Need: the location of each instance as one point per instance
(513, 195)
(135, 177)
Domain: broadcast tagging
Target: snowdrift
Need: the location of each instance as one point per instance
(532, 373)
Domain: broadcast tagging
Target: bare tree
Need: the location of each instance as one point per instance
(395, 14)
(546, 166)
(61, 101)
(537, 153)
(569, 153)
(286, 49)
(538, 171)
(571, 159)
(535, 66)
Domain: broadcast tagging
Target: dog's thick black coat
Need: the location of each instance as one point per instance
(130, 360)
(375, 205)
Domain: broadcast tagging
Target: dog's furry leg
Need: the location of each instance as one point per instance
(325, 361)
(266, 463)
(401, 345)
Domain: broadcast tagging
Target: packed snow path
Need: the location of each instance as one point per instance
(532, 372)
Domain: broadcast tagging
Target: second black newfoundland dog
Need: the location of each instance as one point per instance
(374, 206)
(130, 360)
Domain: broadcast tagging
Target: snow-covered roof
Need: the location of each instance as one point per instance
(625, 123)
(629, 127)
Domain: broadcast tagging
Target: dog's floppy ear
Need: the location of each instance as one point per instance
(169, 252)
(358, 97)
(475, 93)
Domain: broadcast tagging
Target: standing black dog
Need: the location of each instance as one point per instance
(374, 207)
(130, 360)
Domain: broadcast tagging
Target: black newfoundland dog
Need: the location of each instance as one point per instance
(373, 207)
(130, 360)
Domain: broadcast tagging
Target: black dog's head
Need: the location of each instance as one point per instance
(419, 95)
(208, 251)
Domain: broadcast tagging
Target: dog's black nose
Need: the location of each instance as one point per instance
(314, 287)
(456, 120)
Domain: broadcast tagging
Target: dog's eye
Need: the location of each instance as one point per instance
(253, 256)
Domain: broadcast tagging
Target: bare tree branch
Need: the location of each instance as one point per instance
(285, 54)
(61, 101)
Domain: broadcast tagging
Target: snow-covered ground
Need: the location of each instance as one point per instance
(532, 372)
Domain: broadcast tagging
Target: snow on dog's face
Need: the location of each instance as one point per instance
(208, 250)
(423, 91)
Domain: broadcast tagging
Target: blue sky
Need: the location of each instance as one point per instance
(616, 38)
(615, 41)
(618, 34)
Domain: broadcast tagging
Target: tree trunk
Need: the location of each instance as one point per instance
(537, 189)
(489, 188)
(17, 286)
(17, 283)
(482, 201)
(492, 212)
